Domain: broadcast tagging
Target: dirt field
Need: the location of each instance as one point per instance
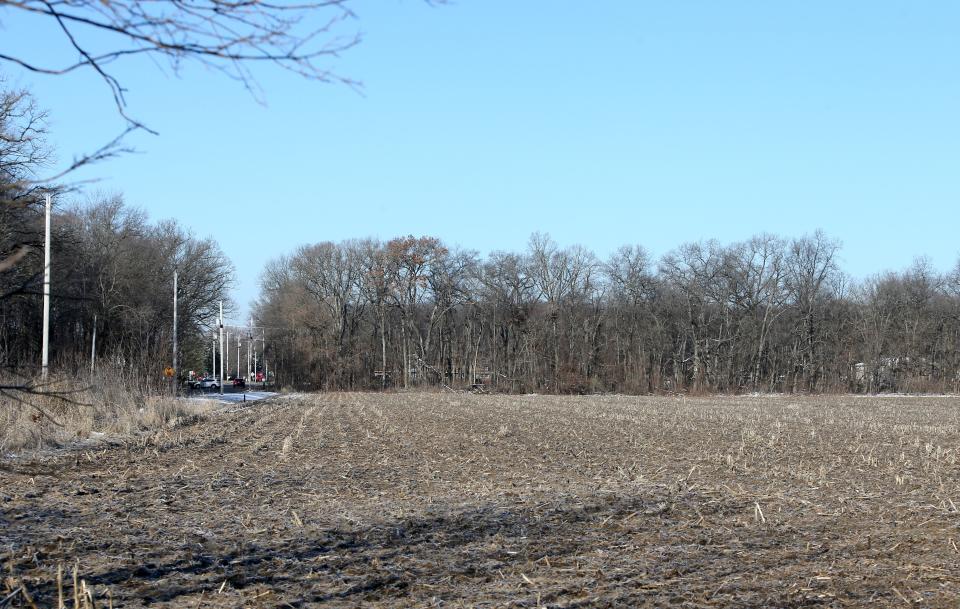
(349, 500)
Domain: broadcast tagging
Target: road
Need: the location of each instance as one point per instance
(239, 396)
(232, 395)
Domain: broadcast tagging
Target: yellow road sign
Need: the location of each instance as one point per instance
(168, 372)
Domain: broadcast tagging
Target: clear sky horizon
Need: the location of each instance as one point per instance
(605, 124)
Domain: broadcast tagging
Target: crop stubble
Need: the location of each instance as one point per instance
(486, 501)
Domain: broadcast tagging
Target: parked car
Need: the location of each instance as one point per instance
(239, 382)
(209, 383)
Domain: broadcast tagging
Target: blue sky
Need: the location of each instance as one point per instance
(603, 124)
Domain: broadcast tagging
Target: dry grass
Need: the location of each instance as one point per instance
(67, 410)
(410, 500)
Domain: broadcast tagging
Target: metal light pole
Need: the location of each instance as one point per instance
(238, 355)
(176, 371)
(221, 347)
(45, 351)
(93, 347)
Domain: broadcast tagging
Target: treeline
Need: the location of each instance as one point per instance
(112, 270)
(766, 314)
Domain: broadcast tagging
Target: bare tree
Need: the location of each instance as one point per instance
(754, 270)
(23, 137)
(330, 274)
(450, 288)
(562, 276)
(634, 288)
(411, 261)
(694, 271)
(376, 285)
(762, 314)
(811, 268)
(229, 36)
(121, 273)
(506, 294)
(23, 152)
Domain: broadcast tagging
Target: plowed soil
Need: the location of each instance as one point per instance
(417, 500)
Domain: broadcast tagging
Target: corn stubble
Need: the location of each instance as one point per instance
(396, 500)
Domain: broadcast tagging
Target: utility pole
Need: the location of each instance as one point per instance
(45, 351)
(226, 355)
(221, 347)
(238, 354)
(213, 359)
(263, 345)
(176, 371)
(93, 347)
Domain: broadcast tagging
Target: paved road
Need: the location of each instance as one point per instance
(249, 396)
(232, 396)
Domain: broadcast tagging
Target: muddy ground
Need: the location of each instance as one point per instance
(416, 500)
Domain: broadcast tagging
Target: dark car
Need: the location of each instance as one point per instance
(239, 382)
